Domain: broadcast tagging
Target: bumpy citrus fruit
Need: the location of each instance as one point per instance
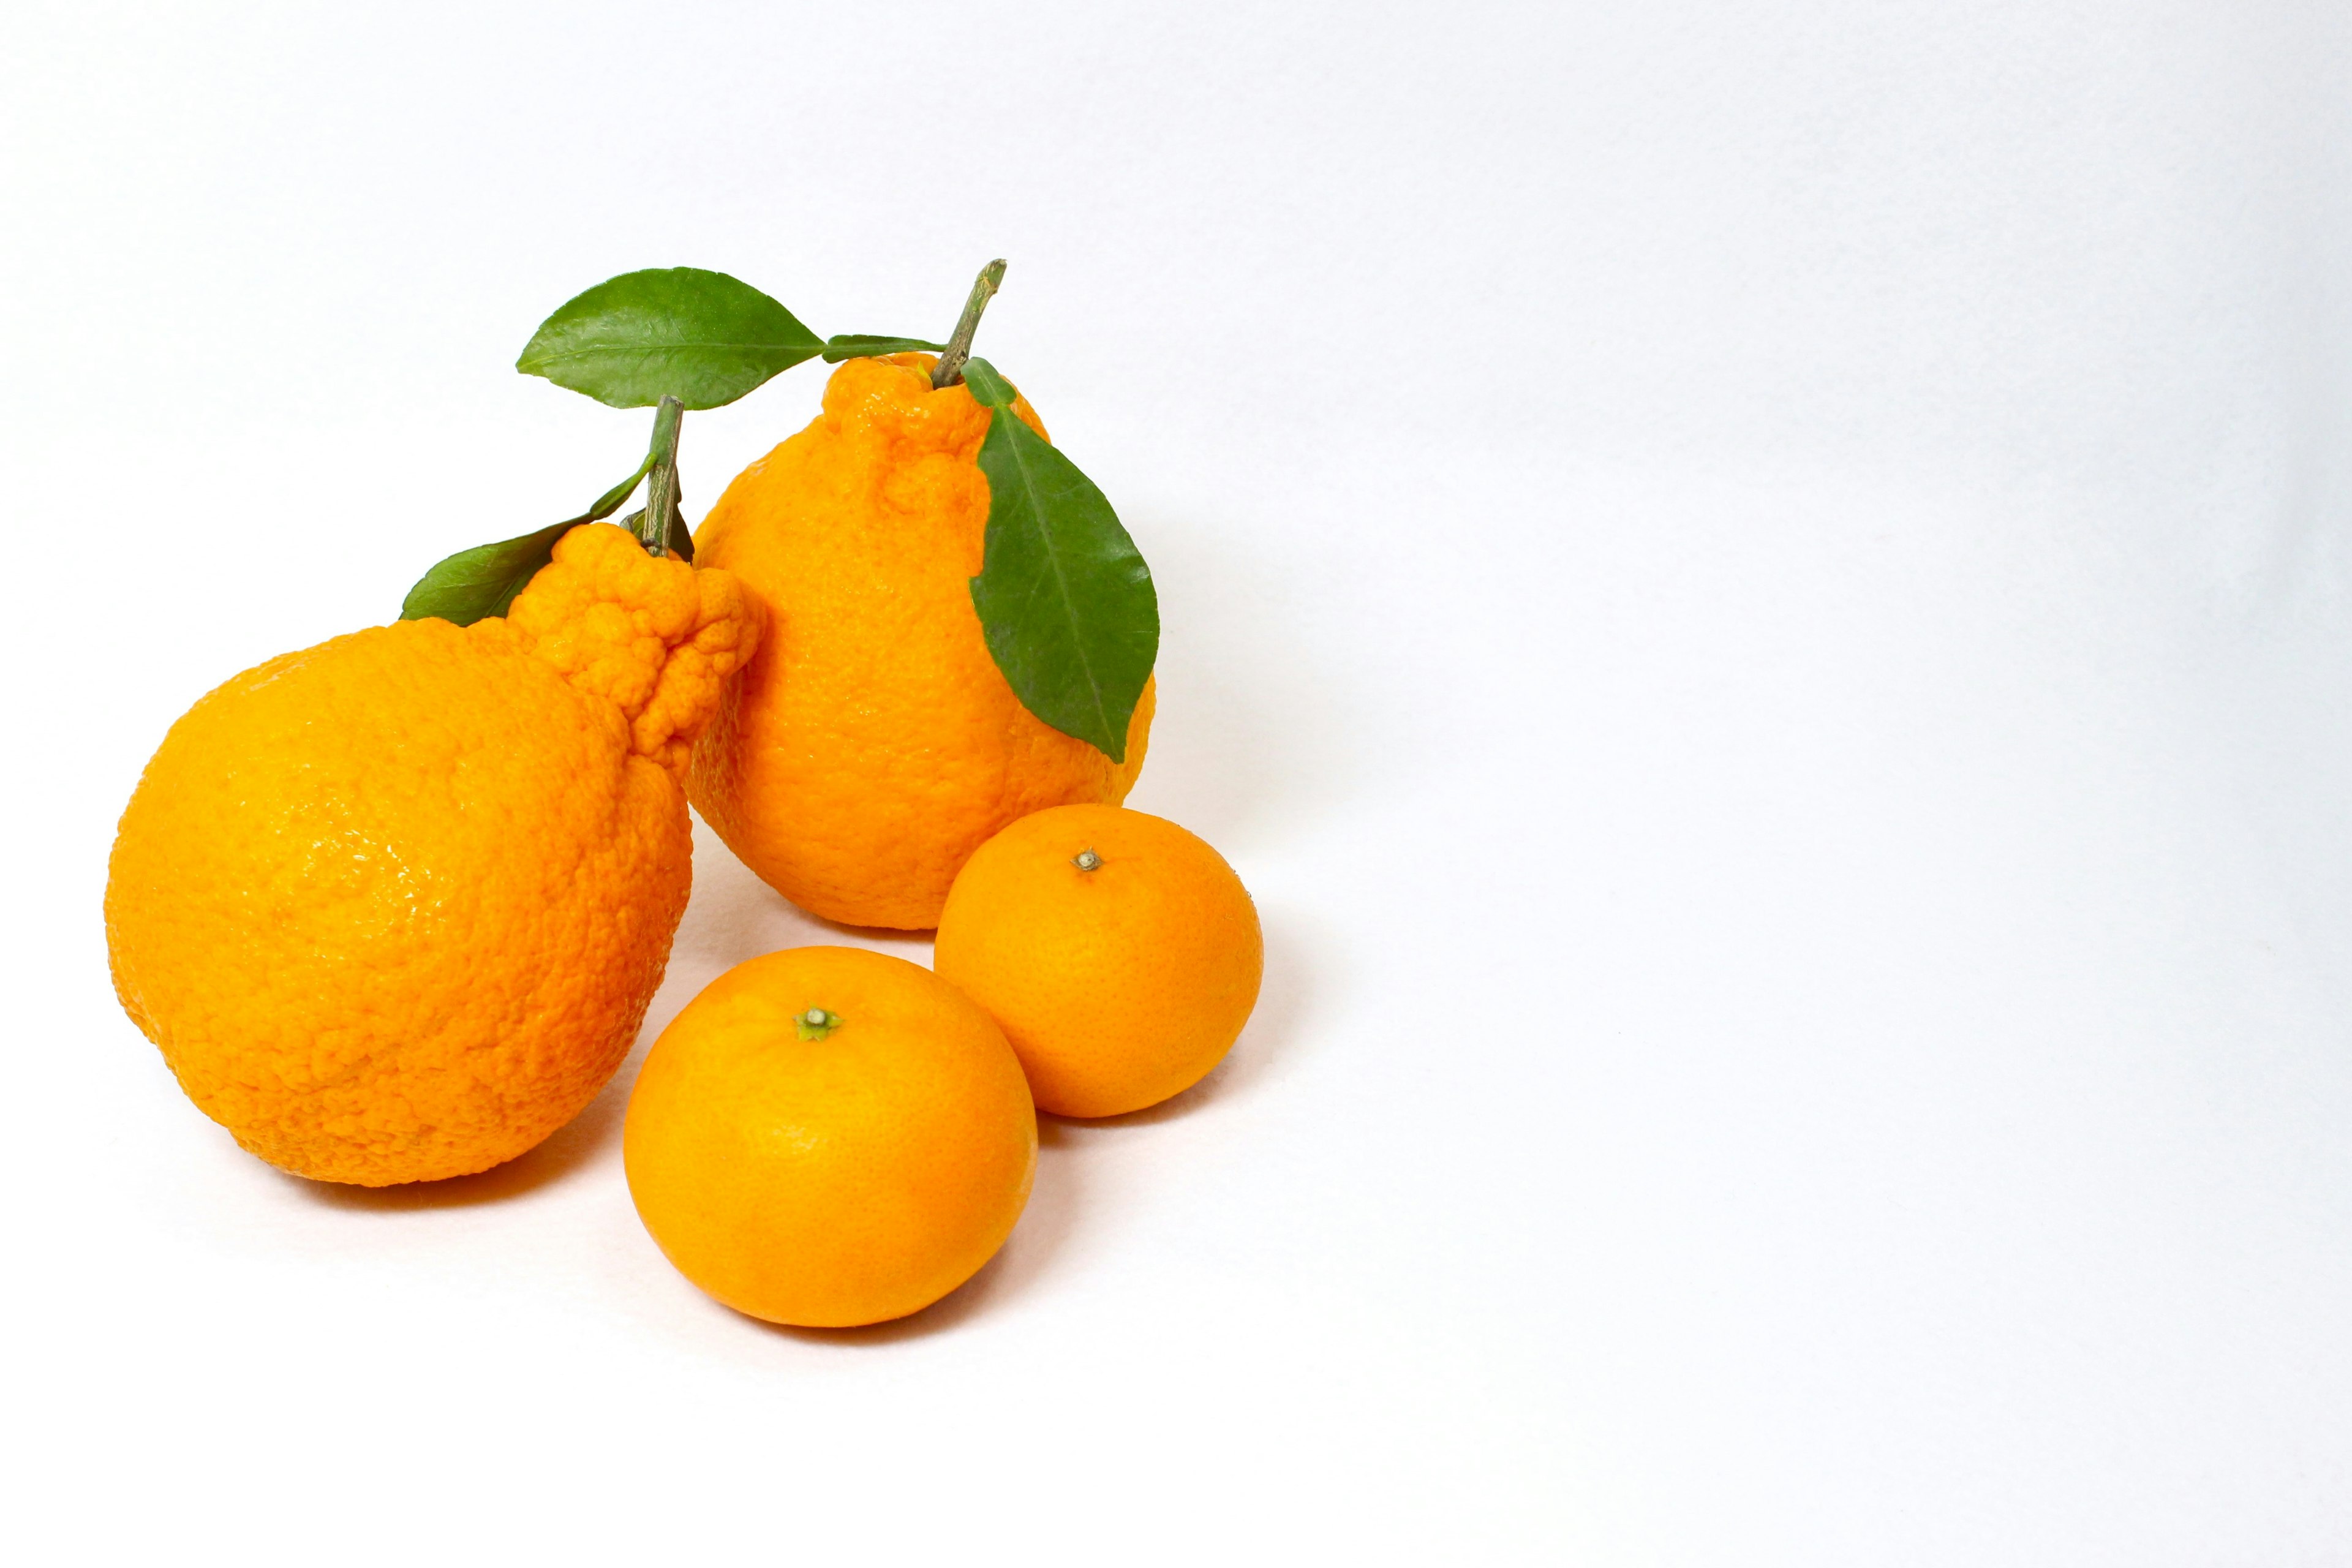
(1120, 953)
(829, 1137)
(393, 906)
(872, 744)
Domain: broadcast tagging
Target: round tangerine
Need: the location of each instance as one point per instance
(829, 1137)
(1118, 951)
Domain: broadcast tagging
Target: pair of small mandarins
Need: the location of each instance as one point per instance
(1097, 959)
(394, 907)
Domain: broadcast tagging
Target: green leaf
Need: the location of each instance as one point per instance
(1064, 599)
(864, 345)
(989, 387)
(475, 585)
(610, 502)
(701, 337)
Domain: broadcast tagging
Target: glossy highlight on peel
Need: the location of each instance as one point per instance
(1118, 951)
(828, 1137)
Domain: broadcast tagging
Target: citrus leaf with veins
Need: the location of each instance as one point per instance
(703, 337)
(475, 585)
(1066, 601)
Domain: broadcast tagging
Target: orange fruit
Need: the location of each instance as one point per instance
(829, 1137)
(393, 906)
(872, 743)
(1120, 953)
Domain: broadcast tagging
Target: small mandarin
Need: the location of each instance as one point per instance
(829, 1137)
(1118, 951)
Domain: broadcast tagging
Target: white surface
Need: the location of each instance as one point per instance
(1761, 592)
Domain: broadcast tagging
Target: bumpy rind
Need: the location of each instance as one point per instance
(872, 743)
(652, 634)
(392, 907)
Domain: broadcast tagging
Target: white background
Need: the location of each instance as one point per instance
(1761, 591)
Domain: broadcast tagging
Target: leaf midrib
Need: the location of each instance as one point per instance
(657, 348)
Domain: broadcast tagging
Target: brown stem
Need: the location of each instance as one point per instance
(950, 370)
(661, 485)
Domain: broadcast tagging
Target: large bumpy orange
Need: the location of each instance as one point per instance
(1118, 951)
(872, 744)
(829, 1137)
(393, 906)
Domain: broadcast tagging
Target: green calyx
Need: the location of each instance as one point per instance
(816, 1023)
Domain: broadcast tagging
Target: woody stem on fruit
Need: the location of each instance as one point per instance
(661, 484)
(950, 370)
